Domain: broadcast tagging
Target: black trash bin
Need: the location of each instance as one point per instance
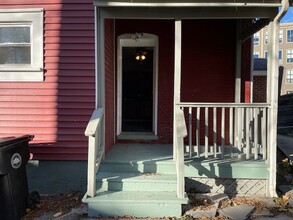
(14, 155)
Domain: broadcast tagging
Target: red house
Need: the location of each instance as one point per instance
(165, 81)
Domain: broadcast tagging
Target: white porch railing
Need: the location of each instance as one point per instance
(94, 132)
(233, 130)
(236, 130)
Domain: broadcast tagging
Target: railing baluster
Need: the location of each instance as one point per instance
(198, 130)
(215, 131)
(223, 132)
(206, 132)
(247, 113)
(264, 134)
(239, 129)
(255, 129)
(231, 131)
(190, 131)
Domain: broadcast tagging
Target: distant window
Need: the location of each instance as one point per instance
(289, 92)
(266, 54)
(289, 35)
(255, 54)
(289, 76)
(266, 37)
(256, 38)
(280, 55)
(281, 36)
(21, 45)
(289, 56)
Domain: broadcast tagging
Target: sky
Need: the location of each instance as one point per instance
(288, 17)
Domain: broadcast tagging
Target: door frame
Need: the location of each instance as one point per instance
(137, 40)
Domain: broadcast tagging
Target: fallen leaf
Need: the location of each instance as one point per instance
(57, 214)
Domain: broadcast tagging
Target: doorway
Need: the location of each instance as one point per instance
(137, 84)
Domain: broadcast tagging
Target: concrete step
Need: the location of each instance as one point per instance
(136, 182)
(138, 204)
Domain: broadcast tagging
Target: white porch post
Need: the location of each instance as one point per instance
(272, 97)
(177, 79)
(237, 99)
(178, 153)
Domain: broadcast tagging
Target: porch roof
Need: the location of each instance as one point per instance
(190, 3)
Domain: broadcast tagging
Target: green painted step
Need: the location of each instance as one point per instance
(162, 167)
(136, 182)
(138, 204)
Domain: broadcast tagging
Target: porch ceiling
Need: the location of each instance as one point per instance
(188, 9)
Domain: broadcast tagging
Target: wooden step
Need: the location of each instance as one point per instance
(137, 204)
(161, 167)
(136, 182)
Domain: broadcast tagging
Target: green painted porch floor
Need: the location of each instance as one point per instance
(157, 158)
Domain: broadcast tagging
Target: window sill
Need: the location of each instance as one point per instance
(24, 75)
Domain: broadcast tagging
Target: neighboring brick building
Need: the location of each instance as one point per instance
(285, 53)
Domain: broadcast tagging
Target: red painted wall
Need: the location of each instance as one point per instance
(56, 110)
(109, 84)
(208, 63)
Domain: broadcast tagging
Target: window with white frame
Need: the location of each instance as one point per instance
(289, 78)
(256, 38)
(281, 36)
(290, 56)
(289, 92)
(280, 56)
(21, 45)
(290, 35)
(255, 54)
(266, 54)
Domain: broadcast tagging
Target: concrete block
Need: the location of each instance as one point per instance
(198, 214)
(240, 212)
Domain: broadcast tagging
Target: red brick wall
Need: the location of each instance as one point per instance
(259, 88)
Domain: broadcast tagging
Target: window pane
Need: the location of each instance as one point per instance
(256, 38)
(281, 36)
(289, 56)
(15, 55)
(289, 76)
(14, 35)
(289, 35)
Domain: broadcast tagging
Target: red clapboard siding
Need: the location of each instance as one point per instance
(56, 110)
(109, 84)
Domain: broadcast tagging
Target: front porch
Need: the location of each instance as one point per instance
(219, 140)
(143, 178)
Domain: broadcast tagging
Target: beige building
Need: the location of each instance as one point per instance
(285, 52)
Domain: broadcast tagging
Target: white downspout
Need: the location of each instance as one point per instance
(272, 97)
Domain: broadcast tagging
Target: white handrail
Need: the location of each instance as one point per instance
(95, 148)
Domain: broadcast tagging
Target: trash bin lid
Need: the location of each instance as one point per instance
(5, 141)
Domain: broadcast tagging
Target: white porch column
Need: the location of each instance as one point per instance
(237, 98)
(272, 97)
(99, 59)
(177, 79)
(100, 68)
(178, 117)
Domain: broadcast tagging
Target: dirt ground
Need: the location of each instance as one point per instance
(56, 204)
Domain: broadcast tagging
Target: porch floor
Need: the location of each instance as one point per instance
(138, 156)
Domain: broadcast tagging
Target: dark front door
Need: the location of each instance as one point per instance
(137, 89)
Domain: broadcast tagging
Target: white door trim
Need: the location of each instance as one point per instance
(137, 40)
